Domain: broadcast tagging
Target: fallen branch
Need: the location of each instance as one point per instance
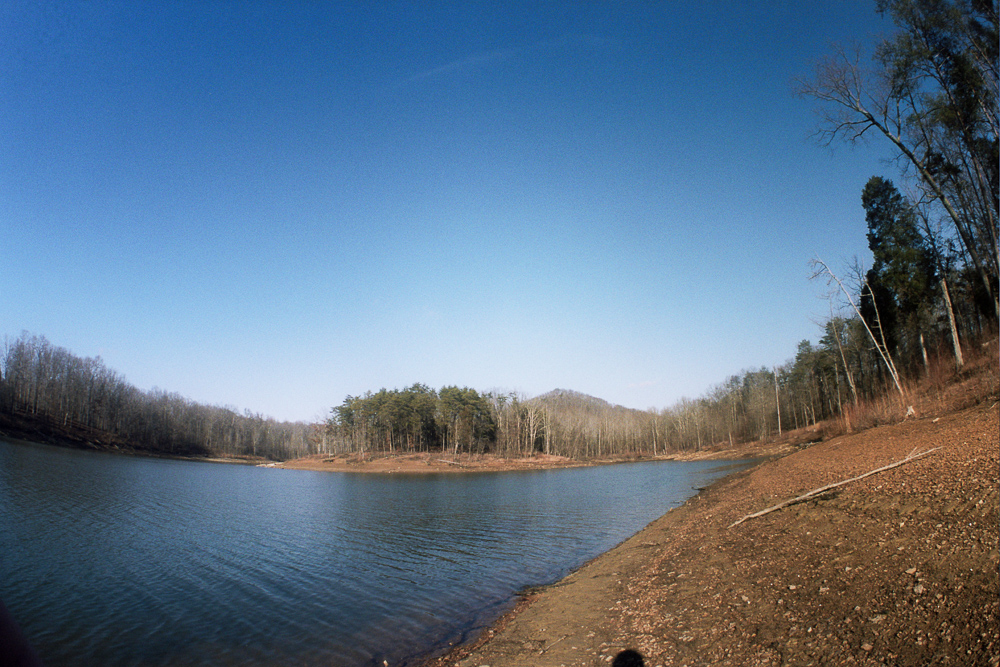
(552, 644)
(823, 489)
(454, 463)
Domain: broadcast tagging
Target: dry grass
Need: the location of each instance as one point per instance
(943, 389)
(947, 389)
(887, 409)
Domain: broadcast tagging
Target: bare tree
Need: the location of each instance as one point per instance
(820, 269)
(893, 99)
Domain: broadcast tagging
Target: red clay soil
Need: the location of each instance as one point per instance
(900, 568)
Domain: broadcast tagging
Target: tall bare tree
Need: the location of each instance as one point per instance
(931, 91)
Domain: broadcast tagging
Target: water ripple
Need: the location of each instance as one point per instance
(148, 562)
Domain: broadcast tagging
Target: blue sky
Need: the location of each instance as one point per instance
(272, 205)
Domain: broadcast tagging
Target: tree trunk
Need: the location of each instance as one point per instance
(955, 344)
(777, 402)
(923, 353)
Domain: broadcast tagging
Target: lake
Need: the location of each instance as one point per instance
(117, 560)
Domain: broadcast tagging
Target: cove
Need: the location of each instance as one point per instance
(116, 560)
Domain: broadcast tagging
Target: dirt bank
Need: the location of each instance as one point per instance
(421, 463)
(900, 568)
(448, 463)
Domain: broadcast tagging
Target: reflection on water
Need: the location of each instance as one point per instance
(114, 560)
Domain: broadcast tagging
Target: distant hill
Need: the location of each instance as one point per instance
(567, 399)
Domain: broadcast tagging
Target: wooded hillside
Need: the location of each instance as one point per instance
(48, 392)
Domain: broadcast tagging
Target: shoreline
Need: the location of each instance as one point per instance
(28, 431)
(898, 568)
(436, 462)
(51, 441)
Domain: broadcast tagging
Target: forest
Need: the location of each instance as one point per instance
(49, 393)
(929, 91)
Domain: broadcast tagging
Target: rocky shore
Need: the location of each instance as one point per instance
(898, 568)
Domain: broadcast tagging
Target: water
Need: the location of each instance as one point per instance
(113, 560)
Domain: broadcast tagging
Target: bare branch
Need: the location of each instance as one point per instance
(829, 487)
(820, 268)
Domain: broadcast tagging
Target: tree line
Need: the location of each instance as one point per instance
(59, 393)
(507, 424)
(822, 381)
(930, 90)
(414, 419)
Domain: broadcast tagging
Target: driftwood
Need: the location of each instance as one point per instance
(552, 644)
(823, 489)
(454, 463)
